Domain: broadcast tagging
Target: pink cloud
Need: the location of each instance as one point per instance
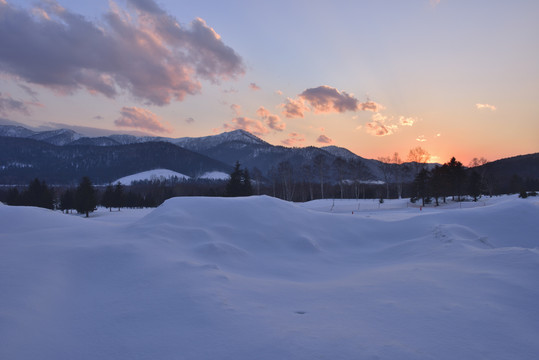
(254, 87)
(485, 106)
(294, 108)
(236, 108)
(378, 126)
(251, 125)
(324, 139)
(382, 125)
(273, 121)
(141, 119)
(262, 112)
(371, 106)
(325, 99)
(407, 121)
(421, 138)
(293, 139)
(143, 52)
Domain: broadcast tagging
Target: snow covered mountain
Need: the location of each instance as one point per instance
(55, 137)
(225, 149)
(15, 131)
(207, 142)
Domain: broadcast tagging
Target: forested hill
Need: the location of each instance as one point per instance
(23, 159)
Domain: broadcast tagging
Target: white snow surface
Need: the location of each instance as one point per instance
(215, 175)
(261, 278)
(156, 174)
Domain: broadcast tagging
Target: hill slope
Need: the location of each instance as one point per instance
(25, 159)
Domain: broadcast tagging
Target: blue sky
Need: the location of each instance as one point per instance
(458, 78)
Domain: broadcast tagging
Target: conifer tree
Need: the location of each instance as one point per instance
(107, 199)
(67, 201)
(85, 198)
(118, 198)
(239, 183)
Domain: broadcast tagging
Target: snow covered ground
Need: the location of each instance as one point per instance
(260, 278)
(215, 175)
(157, 174)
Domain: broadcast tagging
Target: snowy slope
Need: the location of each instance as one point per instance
(157, 174)
(215, 175)
(260, 278)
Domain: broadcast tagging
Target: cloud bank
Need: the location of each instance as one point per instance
(141, 119)
(141, 50)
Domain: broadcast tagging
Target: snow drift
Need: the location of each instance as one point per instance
(257, 277)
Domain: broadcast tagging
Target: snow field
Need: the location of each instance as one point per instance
(257, 277)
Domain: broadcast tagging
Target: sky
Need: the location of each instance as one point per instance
(457, 78)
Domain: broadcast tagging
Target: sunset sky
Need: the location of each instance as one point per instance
(458, 78)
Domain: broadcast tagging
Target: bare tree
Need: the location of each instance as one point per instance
(485, 184)
(384, 163)
(307, 174)
(286, 174)
(398, 172)
(321, 167)
(257, 177)
(418, 157)
(339, 165)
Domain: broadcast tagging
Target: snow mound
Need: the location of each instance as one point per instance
(157, 174)
(261, 278)
(215, 175)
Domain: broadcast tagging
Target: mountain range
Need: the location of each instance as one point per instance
(63, 156)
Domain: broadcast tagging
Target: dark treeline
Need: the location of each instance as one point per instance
(322, 179)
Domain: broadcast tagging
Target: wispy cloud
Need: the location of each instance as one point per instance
(485, 106)
(254, 86)
(139, 118)
(407, 121)
(278, 92)
(236, 108)
(9, 105)
(324, 139)
(421, 138)
(141, 50)
(293, 139)
(273, 121)
(189, 120)
(382, 125)
(251, 125)
(434, 2)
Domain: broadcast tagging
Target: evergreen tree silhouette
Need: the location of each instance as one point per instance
(85, 198)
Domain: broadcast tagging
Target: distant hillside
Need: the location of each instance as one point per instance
(63, 156)
(21, 160)
(501, 172)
